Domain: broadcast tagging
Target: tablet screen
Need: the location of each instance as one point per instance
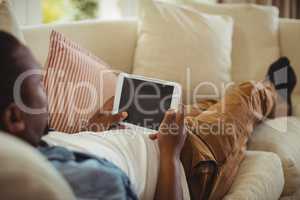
(146, 102)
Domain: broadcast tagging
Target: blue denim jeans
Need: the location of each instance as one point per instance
(89, 177)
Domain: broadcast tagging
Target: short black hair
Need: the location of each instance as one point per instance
(10, 66)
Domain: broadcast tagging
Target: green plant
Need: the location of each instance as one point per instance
(85, 9)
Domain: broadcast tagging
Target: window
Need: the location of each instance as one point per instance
(59, 11)
(75, 10)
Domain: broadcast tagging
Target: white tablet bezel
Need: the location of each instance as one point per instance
(176, 96)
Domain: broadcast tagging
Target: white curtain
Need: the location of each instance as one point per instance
(28, 12)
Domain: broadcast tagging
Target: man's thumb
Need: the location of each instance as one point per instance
(120, 116)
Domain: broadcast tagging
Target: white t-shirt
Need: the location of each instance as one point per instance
(133, 152)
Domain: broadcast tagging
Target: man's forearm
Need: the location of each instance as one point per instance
(169, 186)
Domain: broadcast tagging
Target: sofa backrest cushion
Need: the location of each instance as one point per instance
(8, 22)
(180, 44)
(109, 43)
(255, 37)
(25, 174)
(112, 41)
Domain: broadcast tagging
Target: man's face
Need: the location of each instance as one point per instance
(21, 118)
(35, 98)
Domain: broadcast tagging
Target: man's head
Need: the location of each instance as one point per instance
(16, 117)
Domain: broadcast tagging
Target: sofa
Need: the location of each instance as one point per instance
(266, 171)
(270, 170)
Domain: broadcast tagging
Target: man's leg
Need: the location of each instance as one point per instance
(201, 106)
(198, 173)
(219, 135)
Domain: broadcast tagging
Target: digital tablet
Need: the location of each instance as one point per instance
(145, 100)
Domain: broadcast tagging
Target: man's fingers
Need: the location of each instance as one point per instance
(108, 105)
(153, 136)
(119, 117)
(180, 120)
(169, 117)
(180, 115)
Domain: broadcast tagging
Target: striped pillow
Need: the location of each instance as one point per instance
(77, 84)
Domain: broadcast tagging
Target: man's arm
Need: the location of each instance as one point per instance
(169, 185)
(171, 139)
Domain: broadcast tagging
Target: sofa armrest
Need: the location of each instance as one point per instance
(289, 32)
(296, 105)
(26, 174)
(260, 177)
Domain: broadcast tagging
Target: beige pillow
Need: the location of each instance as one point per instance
(183, 45)
(8, 22)
(260, 177)
(25, 174)
(255, 38)
(281, 136)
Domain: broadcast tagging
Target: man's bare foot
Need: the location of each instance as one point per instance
(284, 79)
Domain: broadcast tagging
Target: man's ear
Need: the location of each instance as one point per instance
(13, 120)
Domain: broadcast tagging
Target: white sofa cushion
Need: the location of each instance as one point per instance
(296, 104)
(260, 177)
(282, 137)
(255, 38)
(183, 45)
(8, 21)
(112, 41)
(25, 174)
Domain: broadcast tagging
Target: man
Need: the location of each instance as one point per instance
(90, 177)
(208, 158)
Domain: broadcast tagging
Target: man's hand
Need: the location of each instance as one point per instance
(171, 139)
(172, 134)
(104, 119)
